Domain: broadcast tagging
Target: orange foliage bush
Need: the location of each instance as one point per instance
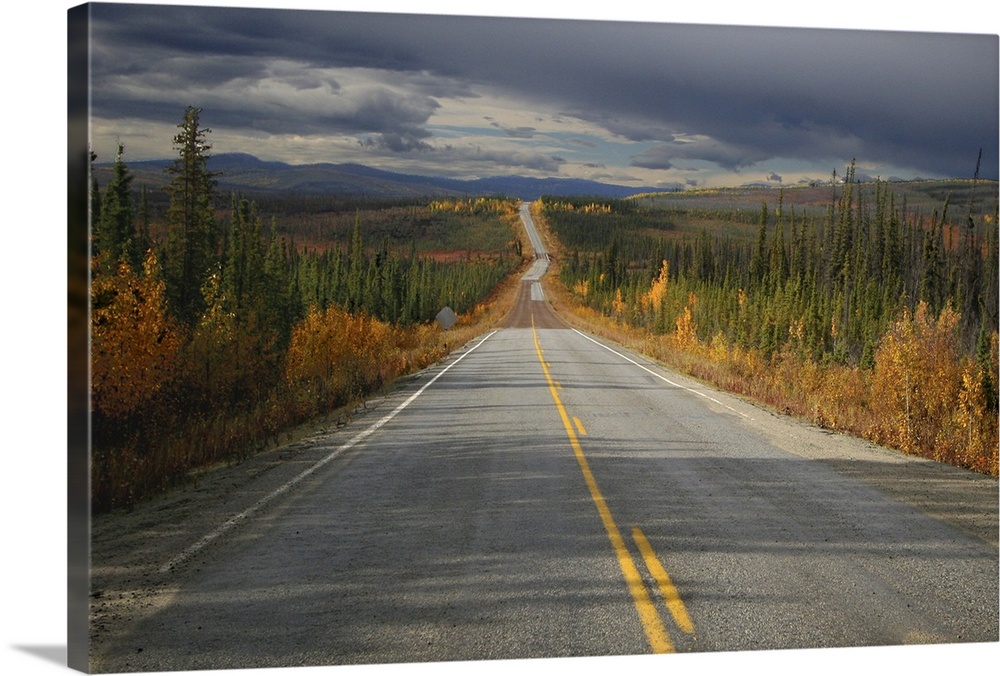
(928, 401)
(652, 300)
(134, 345)
(334, 356)
(686, 333)
(914, 379)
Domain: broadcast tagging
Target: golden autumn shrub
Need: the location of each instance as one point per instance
(686, 333)
(335, 356)
(134, 344)
(311, 365)
(841, 399)
(969, 437)
(652, 301)
(929, 401)
(915, 380)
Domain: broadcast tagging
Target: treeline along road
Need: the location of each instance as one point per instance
(544, 493)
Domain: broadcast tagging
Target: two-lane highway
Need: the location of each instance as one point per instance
(543, 493)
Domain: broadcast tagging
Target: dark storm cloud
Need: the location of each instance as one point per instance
(726, 155)
(515, 132)
(398, 142)
(917, 100)
(466, 157)
(148, 57)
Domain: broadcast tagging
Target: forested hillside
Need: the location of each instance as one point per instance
(861, 315)
(217, 322)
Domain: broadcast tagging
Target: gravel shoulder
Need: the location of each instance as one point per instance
(961, 498)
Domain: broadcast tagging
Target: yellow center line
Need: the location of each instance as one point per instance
(673, 600)
(579, 426)
(652, 623)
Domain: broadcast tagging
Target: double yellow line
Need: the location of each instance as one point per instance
(652, 623)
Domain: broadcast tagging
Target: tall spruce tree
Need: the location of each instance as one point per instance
(114, 227)
(357, 265)
(143, 238)
(95, 191)
(192, 240)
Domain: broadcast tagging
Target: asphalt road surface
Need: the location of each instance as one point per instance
(542, 494)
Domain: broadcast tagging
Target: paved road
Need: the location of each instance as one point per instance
(545, 494)
(533, 235)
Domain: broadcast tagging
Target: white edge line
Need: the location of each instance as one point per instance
(662, 377)
(358, 438)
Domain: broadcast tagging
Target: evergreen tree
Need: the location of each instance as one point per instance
(191, 247)
(356, 265)
(95, 192)
(991, 274)
(143, 238)
(280, 293)
(115, 228)
(758, 264)
(247, 297)
(933, 276)
(243, 272)
(778, 263)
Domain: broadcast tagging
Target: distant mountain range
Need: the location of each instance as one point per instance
(243, 172)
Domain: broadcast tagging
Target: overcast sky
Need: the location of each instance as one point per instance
(35, 119)
(633, 103)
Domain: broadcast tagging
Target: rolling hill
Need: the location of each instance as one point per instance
(243, 172)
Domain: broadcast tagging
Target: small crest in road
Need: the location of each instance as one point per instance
(446, 318)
